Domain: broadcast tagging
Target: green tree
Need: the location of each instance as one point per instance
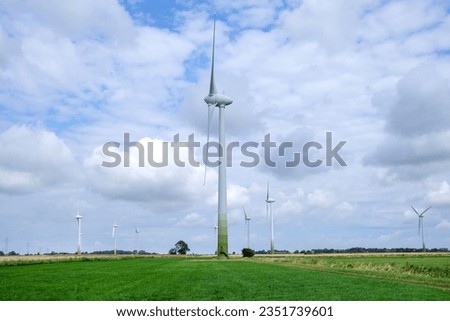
(181, 247)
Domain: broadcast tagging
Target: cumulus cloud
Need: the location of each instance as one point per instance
(193, 219)
(320, 198)
(305, 23)
(237, 195)
(162, 188)
(389, 237)
(250, 14)
(422, 104)
(32, 158)
(417, 121)
(443, 225)
(83, 61)
(343, 210)
(77, 20)
(441, 195)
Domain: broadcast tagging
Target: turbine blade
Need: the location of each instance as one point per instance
(210, 115)
(267, 210)
(415, 210)
(418, 229)
(425, 211)
(212, 85)
(267, 197)
(245, 214)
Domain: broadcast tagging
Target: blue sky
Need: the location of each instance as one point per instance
(74, 76)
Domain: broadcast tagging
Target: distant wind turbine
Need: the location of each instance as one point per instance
(114, 235)
(247, 225)
(420, 216)
(213, 100)
(269, 211)
(137, 231)
(215, 235)
(78, 217)
(6, 246)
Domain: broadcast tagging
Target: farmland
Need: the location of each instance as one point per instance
(279, 277)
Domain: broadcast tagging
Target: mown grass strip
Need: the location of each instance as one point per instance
(429, 270)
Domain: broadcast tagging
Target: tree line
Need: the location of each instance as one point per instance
(356, 250)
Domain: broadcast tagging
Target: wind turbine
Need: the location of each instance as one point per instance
(215, 235)
(137, 231)
(213, 100)
(420, 216)
(114, 235)
(78, 217)
(269, 211)
(247, 223)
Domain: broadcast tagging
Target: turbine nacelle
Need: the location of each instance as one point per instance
(218, 100)
(270, 200)
(421, 214)
(248, 218)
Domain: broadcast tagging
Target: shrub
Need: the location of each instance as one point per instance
(246, 252)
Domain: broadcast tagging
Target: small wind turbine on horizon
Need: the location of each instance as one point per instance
(247, 225)
(213, 100)
(215, 236)
(78, 217)
(114, 235)
(420, 216)
(136, 232)
(269, 211)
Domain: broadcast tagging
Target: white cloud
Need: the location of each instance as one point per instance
(162, 188)
(306, 23)
(237, 196)
(423, 103)
(320, 198)
(443, 225)
(389, 20)
(33, 158)
(441, 195)
(193, 219)
(249, 14)
(344, 210)
(79, 20)
(417, 121)
(390, 237)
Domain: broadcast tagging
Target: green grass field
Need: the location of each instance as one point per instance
(201, 278)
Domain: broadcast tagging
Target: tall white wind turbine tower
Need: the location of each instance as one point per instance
(247, 225)
(420, 216)
(114, 235)
(78, 217)
(214, 100)
(269, 211)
